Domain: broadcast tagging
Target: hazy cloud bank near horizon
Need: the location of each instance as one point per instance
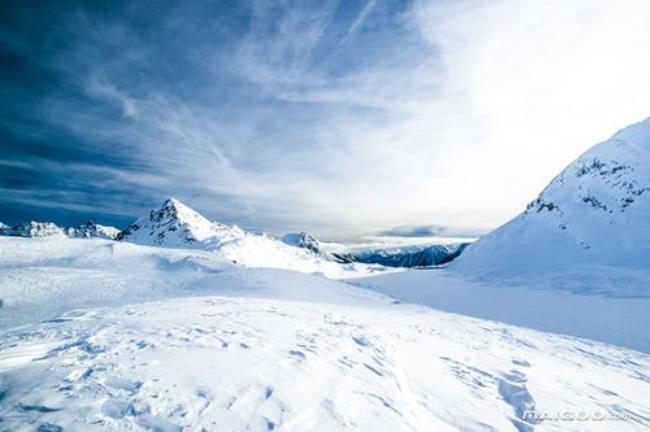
(338, 118)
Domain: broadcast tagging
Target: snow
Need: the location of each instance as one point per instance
(175, 225)
(376, 242)
(188, 324)
(44, 229)
(104, 335)
(419, 254)
(410, 256)
(46, 276)
(91, 229)
(580, 303)
(574, 262)
(302, 240)
(32, 229)
(594, 212)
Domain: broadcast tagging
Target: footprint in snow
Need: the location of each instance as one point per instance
(298, 355)
(117, 409)
(127, 385)
(361, 341)
(512, 389)
(49, 427)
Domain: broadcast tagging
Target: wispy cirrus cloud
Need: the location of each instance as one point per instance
(337, 117)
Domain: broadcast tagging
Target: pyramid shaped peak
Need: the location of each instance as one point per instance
(175, 209)
(174, 224)
(173, 202)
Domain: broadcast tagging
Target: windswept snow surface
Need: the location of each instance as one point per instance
(102, 335)
(580, 303)
(45, 276)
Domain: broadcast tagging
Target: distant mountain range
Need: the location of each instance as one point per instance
(176, 225)
(426, 255)
(595, 212)
(45, 229)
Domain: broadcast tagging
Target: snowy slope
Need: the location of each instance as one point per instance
(46, 276)
(176, 225)
(201, 344)
(576, 261)
(578, 303)
(594, 212)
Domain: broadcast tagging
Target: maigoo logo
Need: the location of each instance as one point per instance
(577, 416)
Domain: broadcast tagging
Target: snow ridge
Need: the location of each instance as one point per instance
(176, 225)
(594, 212)
(410, 256)
(33, 229)
(90, 229)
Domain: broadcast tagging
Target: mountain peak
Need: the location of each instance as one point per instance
(173, 224)
(594, 211)
(36, 229)
(90, 229)
(175, 209)
(302, 240)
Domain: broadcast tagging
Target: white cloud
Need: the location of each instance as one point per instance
(520, 89)
(538, 83)
(457, 116)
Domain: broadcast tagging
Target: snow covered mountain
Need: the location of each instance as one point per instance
(32, 229)
(303, 240)
(44, 229)
(178, 226)
(307, 241)
(409, 256)
(91, 229)
(424, 255)
(595, 212)
(574, 262)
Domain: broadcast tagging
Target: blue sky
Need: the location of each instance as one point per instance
(340, 118)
